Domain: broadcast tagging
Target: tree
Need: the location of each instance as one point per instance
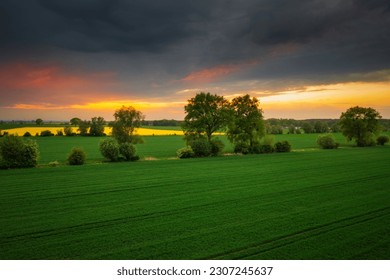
(75, 121)
(68, 130)
(97, 126)
(307, 127)
(205, 114)
(246, 127)
(127, 119)
(39, 121)
(360, 124)
(320, 127)
(83, 127)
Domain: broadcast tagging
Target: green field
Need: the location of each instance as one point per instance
(307, 204)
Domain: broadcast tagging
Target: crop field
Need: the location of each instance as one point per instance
(307, 204)
(107, 130)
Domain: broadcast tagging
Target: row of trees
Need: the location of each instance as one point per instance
(206, 115)
(16, 152)
(241, 118)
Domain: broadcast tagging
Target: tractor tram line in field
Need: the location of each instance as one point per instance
(269, 245)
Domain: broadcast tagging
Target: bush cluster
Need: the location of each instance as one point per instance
(241, 148)
(109, 148)
(113, 151)
(382, 140)
(128, 151)
(46, 133)
(68, 130)
(185, 152)
(282, 147)
(16, 153)
(201, 147)
(327, 142)
(77, 157)
(266, 147)
(217, 147)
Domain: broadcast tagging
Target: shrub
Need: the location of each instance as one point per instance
(185, 152)
(109, 148)
(16, 153)
(77, 157)
(201, 147)
(128, 151)
(46, 133)
(27, 134)
(264, 149)
(382, 140)
(216, 147)
(327, 142)
(68, 130)
(60, 132)
(282, 147)
(241, 148)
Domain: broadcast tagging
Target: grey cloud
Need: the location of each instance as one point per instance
(153, 42)
(104, 25)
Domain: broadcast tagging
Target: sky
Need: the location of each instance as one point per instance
(301, 58)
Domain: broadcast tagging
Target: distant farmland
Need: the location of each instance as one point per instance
(54, 129)
(307, 204)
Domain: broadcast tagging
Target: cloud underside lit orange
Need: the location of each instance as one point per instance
(312, 99)
(100, 105)
(25, 87)
(342, 94)
(215, 73)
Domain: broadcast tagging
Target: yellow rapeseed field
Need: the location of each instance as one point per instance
(141, 131)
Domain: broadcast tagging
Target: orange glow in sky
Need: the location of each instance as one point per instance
(334, 99)
(40, 90)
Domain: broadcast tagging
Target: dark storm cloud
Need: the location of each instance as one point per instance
(284, 21)
(314, 39)
(102, 25)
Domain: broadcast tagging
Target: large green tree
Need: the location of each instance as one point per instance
(360, 124)
(246, 127)
(127, 119)
(205, 114)
(97, 126)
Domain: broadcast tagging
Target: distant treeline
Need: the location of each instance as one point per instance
(163, 122)
(274, 126)
(292, 126)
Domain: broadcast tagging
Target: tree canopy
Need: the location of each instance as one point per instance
(75, 121)
(84, 127)
(97, 126)
(246, 127)
(127, 119)
(39, 121)
(205, 114)
(360, 124)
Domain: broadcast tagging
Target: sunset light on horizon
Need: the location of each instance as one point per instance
(69, 59)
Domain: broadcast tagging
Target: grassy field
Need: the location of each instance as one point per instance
(307, 204)
(57, 148)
